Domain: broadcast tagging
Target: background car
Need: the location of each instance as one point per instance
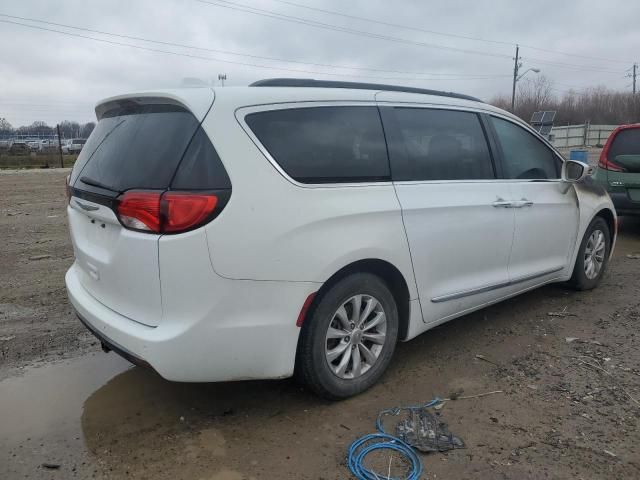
(75, 145)
(619, 169)
(19, 148)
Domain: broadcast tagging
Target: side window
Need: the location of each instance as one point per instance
(440, 145)
(324, 144)
(525, 157)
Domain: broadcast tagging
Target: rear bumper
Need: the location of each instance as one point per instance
(110, 346)
(248, 332)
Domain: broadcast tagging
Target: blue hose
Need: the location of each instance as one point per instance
(363, 446)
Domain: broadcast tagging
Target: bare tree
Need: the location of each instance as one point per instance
(533, 95)
(596, 105)
(86, 129)
(69, 129)
(5, 127)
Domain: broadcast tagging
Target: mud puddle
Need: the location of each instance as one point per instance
(98, 416)
(41, 412)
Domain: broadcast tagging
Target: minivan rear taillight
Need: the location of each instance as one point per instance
(165, 212)
(183, 211)
(604, 161)
(607, 164)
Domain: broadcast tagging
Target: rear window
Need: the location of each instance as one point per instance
(141, 147)
(625, 150)
(324, 144)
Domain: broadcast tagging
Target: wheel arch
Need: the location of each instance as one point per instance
(608, 216)
(387, 272)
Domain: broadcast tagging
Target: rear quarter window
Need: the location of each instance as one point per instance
(324, 144)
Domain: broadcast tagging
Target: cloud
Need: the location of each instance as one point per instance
(50, 76)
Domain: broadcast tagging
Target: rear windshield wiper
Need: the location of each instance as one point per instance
(96, 183)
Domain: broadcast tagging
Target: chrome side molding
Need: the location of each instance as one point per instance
(495, 286)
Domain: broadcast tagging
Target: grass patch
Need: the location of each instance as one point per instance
(47, 160)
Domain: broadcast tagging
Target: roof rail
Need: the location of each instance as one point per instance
(309, 82)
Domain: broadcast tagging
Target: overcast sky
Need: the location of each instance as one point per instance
(50, 76)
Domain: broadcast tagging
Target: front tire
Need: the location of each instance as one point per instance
(348, 340)
(593, 256)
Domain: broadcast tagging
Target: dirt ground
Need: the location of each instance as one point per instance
(567, 363)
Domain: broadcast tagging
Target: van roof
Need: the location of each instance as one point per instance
(199, 99)
(308, 82)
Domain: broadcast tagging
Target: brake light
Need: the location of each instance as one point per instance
(140, 211)
(168, 212)
(185, 210)
(604, 161)
(607, 164)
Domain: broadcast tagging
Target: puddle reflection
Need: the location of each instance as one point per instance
(98, 414)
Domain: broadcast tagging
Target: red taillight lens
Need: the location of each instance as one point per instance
(606, 164)
(183, 211)
(603, 161)
(140, 211)
(168, 212)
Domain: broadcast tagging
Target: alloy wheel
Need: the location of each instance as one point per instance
(356, 336)
(594, 254)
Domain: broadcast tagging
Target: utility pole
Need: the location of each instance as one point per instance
(516, 67)
(222, 77)
(635, 74)
(60, 146)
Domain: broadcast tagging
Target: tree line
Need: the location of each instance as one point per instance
(68, 129)
(598, 105)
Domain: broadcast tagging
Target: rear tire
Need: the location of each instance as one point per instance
(593, 256)
(340, 352)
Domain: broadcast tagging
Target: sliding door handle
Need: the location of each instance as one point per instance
(522, 203)
(501, 203)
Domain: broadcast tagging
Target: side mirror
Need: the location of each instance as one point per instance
(574, 171)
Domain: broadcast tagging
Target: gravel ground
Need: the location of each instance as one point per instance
(567, 363)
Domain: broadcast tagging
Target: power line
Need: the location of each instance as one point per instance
(572, 66)
(317, 24)
(226, 52)
(200, 57)
(444, 34)
(327, 26)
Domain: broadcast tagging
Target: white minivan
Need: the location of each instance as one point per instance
(304, 227)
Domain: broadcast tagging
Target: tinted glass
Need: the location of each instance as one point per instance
(135, 148)
(442, 145)
(525, 156)
(201, 168)
(324, 144)
(625, 150)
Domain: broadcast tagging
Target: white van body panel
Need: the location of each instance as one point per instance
(221, 302)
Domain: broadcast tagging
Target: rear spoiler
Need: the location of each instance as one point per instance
(197, 100)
